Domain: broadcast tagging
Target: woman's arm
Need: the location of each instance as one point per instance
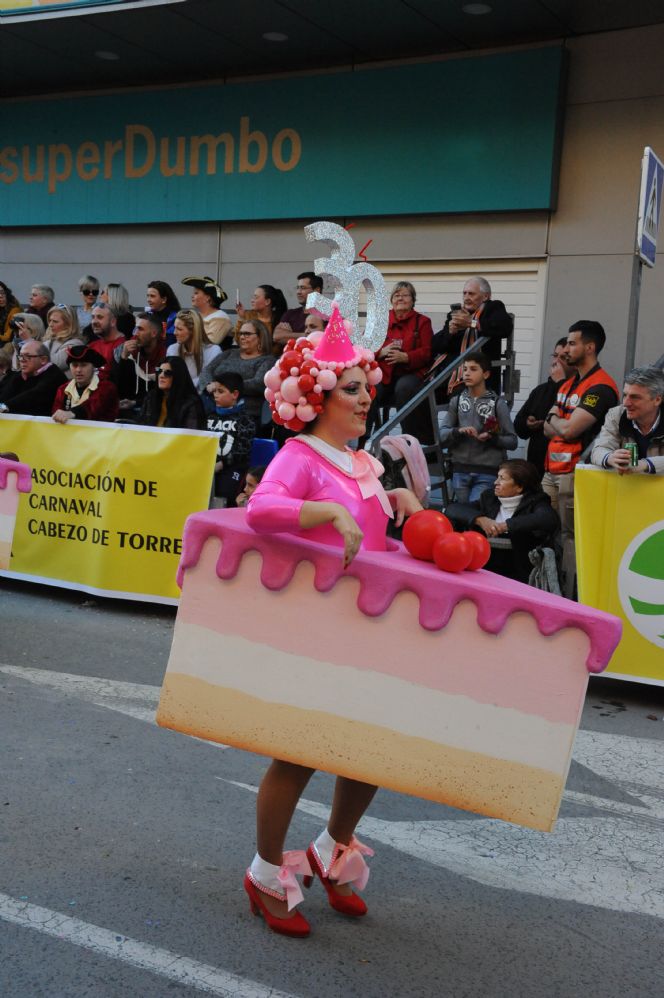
(279, 504)
(404, 503)
(316, 514)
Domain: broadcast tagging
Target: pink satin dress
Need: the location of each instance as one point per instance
(298, 474)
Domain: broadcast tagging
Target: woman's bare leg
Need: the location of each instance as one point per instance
(351, 799)
(280, 790)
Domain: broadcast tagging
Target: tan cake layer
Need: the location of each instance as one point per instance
(459, 778)
(5, 554)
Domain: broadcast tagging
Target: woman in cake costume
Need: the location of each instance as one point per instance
(318, 488)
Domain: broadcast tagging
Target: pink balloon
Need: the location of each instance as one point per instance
(273, 379)
(305, 412)
(290, 390)
(269, 395)
(327, 380)
(286, 411)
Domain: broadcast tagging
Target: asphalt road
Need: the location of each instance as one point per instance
(123, 847)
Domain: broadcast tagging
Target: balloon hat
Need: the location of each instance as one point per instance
(306, 369)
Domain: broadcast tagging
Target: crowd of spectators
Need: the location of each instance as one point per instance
(194, 368)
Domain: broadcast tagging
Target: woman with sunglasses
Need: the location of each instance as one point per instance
(252, 361)
(174, 401)
(88, 288)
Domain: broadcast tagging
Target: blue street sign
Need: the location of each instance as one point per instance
(650, 203)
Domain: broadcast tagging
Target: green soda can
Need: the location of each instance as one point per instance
(633, 454)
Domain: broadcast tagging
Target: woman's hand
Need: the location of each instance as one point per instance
(404, 503)
(315, 514)
(490, 527)
(344, 523)
(240, 309)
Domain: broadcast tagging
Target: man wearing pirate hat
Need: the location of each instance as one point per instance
(206, 298)
(85, 396)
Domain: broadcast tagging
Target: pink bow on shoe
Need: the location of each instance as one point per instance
(349, 866)
(295, 861)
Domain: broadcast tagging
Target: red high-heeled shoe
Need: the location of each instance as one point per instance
(347, 904)
(294, 925)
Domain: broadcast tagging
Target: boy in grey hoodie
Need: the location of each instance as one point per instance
(478, 430)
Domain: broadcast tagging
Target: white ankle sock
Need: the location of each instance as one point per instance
(266, 874)
(325, 848)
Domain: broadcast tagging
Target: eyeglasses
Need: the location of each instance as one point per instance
(89, 291)
(166, 372)
(29, 356)
(244, 333)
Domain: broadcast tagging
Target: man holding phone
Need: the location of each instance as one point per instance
(477, 315)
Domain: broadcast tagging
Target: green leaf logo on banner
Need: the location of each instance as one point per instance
(641, 583)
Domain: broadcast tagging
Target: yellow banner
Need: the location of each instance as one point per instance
(108, 503)
(619, 529)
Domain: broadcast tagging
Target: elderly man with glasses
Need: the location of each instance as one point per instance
(30, 391)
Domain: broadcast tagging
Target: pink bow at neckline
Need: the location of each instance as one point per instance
(349, 866)
(295, 861)
(366, 476)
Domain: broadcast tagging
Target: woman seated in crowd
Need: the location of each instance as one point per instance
(206, 298)
(515, 509)
(63, 332)
(25, 326)
(88, 287)
(174, 402)
(252, 360)
(404, 358)
(86, 396)
(267, 304)
(162, 301)
(116, 297)
(9, 307)
(192, 344)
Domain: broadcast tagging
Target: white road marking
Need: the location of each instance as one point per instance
(112, 944)
(137, 700)
(613, 858)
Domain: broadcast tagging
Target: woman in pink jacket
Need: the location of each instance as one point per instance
(317, 487)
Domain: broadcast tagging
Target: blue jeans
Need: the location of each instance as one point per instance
(468, 486)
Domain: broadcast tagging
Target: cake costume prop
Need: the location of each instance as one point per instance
(11, 489)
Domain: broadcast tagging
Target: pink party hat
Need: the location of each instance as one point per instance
(335, 346)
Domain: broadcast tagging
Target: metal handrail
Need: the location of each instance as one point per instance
(427, 392)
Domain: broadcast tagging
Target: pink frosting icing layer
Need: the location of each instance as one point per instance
(383, 574)
(22, 472)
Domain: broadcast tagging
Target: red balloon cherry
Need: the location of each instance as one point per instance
(452, 552)
(422, 529)
(305, 383)
(481, 550)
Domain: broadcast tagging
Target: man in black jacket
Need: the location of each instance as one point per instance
(31, 390)
(479, 315)
(529, 421)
